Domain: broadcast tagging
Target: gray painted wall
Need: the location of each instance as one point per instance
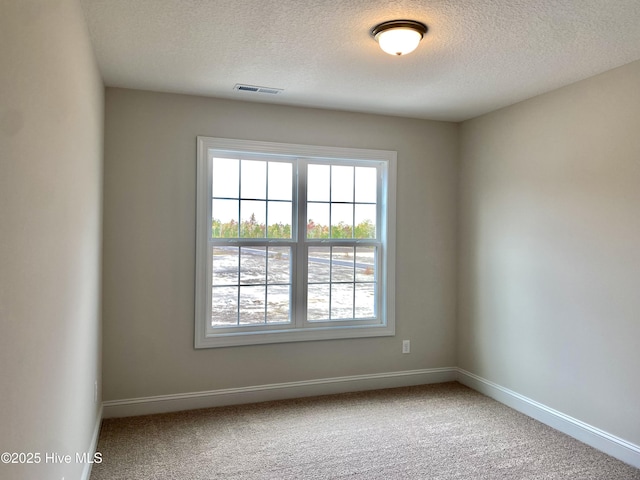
(149, 244)
(51, 124)
(549, 244)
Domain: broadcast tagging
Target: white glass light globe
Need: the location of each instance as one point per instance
(399, 41)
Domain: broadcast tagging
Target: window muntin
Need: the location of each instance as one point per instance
(264, 278)
(342, 283)
(251, 285)
(251, 198)
(341, 201)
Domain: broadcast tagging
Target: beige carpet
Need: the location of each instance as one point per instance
(443, 431)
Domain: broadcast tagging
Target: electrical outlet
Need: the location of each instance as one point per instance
(406, 346)
(95, 392)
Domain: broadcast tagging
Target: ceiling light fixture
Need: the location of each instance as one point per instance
(399, 37)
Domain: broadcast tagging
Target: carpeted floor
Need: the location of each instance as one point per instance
(443, 431)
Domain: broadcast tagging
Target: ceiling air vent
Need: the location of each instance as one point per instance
(255, 89)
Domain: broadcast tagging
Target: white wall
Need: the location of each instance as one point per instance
(149, 244)
(51, 120)
(550, 258)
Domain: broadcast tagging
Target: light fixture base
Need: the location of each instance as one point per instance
(412, 24)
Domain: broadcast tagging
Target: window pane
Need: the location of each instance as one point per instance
(318, 220)
(225, 178)
(365, 264)
(279, 215)
(318, 302)
(341, 221)
(318, 183)
(319, 261)
(253, 179)
(341, 184)
(225, 265)
(280, 181)
(252, 307)
(253, 265)
(224, 306)
(366, 184)
(224, 214)
(341, 301)
(279, 265)
(278, 301)
(365, 220)
(253, 218)
(365, 300)
(342, 262)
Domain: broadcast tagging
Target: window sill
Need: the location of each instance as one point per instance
(293, 335)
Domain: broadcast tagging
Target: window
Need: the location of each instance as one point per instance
(293, 243)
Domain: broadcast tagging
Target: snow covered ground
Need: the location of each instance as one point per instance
(341, 284)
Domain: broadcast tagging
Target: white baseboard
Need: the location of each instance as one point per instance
(276, 391)
(86, 471)
(599, 439)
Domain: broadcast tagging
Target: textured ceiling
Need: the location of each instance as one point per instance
(479, 55)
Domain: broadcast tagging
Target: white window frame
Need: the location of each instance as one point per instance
(299, 329)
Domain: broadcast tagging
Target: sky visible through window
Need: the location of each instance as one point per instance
(339, 198)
